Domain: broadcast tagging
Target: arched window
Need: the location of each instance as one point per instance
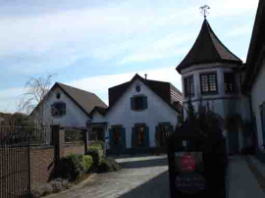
(58, 109)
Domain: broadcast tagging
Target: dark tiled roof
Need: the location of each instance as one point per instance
(256, 49)
(164, 90)
(87, 101)
(207, 49)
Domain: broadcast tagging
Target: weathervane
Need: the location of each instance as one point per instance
(204, 10)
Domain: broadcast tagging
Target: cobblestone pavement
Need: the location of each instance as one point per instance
(242, 180)
(145, 176)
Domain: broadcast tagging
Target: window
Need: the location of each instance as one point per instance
(229, 83)
(97, 133)
(116, 135)
(58, 109)
(140, 136)
(188, 86)
(58, 95)
(209, 83)
(163, 130)
(139, 102)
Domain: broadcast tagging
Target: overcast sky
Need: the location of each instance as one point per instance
(94, 45)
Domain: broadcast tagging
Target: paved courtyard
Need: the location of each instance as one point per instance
(140, 177)
(147, 176)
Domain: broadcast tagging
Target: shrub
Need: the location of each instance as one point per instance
(87, 162)
(73, 166)
(97, 145)
(97, 153)
(107, 165)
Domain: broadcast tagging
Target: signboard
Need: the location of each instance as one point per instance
(189, 172)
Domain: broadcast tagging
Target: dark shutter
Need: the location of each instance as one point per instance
(157, 136)
(123, 137)
(133, 137)
(146, 136)
(110, 137)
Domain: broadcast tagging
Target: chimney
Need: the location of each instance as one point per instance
(145, 76)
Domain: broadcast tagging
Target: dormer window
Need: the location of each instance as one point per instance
(139, 103)
(230, 82)
(209, 83)
(188, 86)
(58, 109)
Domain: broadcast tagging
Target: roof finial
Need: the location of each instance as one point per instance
(204, 10)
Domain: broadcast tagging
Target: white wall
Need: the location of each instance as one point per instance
(222, 103)
(74, 116)
(258, 97)
(121, 113)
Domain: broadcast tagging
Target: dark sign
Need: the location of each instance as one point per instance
(189, 177)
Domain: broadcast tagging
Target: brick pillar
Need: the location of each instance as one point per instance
(58, 142)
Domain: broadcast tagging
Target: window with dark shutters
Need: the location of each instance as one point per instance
(139, 103)
(58, 109)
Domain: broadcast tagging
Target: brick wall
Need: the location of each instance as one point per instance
(41, 164)
(42, 161)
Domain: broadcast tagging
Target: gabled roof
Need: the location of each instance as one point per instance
(85, 100)
(256, 50)
(162, 89)
(208, 49)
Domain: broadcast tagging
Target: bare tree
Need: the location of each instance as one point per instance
(36, 90)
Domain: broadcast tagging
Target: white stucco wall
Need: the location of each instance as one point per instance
(121, 113)
(258, 97)
(74, 116)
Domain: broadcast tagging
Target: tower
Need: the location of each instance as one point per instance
(211, 78)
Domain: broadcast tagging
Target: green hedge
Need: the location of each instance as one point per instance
(72, 166)
(96, 151)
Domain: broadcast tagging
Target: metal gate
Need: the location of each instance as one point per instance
(14, 162)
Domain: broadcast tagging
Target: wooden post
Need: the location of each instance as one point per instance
(86, 139)
(58, 142)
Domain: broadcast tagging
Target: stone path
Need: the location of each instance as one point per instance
(140, 177)
(147, 176)
(241, 181)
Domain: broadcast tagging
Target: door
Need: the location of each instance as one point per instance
(117, 140)
(233, 142)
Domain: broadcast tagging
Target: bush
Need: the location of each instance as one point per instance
(96, 151)
(87, 163)
(108, 164)
(72, 166)
(97, 145)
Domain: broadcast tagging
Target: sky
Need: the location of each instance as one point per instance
(94, 45)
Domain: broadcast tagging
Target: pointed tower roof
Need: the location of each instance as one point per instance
(208, 49)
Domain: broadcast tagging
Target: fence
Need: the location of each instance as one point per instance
(14, 163)
(28, 155)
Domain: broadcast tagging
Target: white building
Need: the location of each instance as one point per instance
(141, 114)
(211, 77)
(254, 79)
(66, 106)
